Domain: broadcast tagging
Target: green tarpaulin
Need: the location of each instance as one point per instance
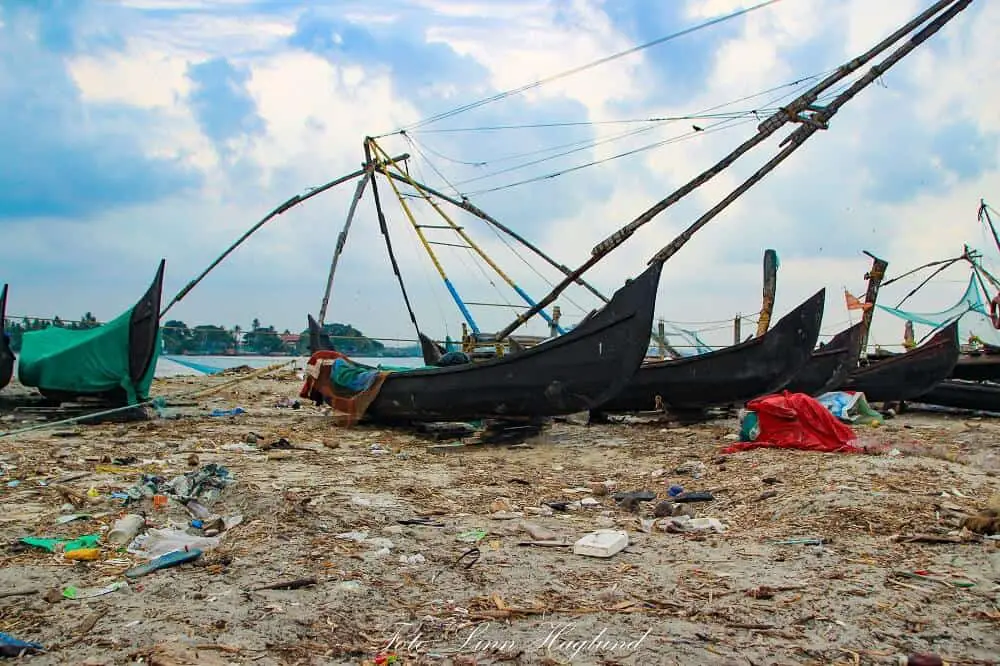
(84, 361)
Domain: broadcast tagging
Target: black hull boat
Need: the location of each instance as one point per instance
(910, 375)
(571, 373)
(6, 353)
(113, 363)
(829, 366)
(727, 376)
(962, 394)
(980, 367)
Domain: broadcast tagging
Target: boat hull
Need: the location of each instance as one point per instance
(829, 366)
(571, 373)
(910, 375)
(977, 367)
(66, 365)
(727, 376)
(6, 353)
(963, 395)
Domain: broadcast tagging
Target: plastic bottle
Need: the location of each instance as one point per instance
(125, 529)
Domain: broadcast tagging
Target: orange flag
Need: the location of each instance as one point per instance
(853, 303)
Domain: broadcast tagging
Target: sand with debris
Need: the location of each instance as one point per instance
(865, 595)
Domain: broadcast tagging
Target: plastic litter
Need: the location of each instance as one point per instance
(412, 559)
(83, 554)
(61, 545)
(235, 411)
(125, 529)
(12, 647)
(472, 536)
(601, 543)
(71, 592)
(159, 542)
(62, 520)
(687, 524)
(164, 562)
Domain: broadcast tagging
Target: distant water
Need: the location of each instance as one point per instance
(168, 367)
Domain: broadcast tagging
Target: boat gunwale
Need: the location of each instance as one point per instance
(789, 321)
(155, 293)
(946, 337)
(584, 330)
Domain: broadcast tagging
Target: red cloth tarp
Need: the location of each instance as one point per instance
(797, 421)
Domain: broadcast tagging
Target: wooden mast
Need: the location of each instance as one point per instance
(874, 277)
(291, 203)
(339, 249)
(770, 286)
(984, 214)
(808, 125)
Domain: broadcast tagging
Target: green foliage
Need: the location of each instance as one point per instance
(179, 338)
(16, 330)
(346, 339)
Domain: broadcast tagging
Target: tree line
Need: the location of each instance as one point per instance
(211, 339)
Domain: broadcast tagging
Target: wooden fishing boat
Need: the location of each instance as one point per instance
(962, 394)
(978, 366)
(910, 375)
(6, 353)
(114, 362)
(571, 373)
(727, 376)
(829, 365)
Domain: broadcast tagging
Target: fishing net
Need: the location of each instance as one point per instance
(84, 361)
(690, 344)
(971, 311)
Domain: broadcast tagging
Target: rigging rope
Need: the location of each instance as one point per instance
(621, 54)
(584, 144)
(719, 126)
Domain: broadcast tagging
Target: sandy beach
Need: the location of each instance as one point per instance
(824, 558)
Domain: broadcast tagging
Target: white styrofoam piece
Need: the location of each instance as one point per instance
(601, 543)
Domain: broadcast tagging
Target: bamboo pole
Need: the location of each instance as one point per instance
(291, 203)
(471, 243)
(430, 253)
(791, 113)
(338, 250)
(471, 208)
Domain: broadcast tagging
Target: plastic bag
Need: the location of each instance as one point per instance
(157, 542)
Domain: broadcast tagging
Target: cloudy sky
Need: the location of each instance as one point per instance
(141, 129)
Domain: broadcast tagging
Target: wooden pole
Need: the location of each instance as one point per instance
(808, 125)
(384, 228)
(291, 203)
(874, 277)
(984, 214)
(770, 286)
(737, 333)
(341, 241)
